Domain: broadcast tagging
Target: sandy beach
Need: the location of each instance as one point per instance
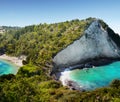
(16, 60)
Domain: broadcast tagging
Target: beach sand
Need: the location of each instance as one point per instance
(16, 60)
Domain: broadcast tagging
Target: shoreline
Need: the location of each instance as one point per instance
(64, 75)
(90, 63)
(67, 81)
(15, 60)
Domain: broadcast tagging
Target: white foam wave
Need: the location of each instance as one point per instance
(65, 77)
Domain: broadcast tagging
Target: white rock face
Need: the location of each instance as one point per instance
(94, 43)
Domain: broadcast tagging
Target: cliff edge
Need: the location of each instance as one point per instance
(97, 42)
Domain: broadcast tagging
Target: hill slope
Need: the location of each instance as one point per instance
(40, 43)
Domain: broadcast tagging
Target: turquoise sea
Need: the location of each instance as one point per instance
(7, 68)
(92, 78)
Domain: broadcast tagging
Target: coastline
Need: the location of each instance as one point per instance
(67, 81)
(15, 60)
(64, 75)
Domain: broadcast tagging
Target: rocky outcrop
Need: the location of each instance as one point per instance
(95, 43)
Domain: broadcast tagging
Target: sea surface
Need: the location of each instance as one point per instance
(92, 78)
(7, 68)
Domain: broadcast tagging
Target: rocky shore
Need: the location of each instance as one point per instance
(90, 63)
(64, 77)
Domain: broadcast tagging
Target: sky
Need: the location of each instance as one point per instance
(28, 12)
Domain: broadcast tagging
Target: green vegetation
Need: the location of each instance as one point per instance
(41, 42)
(32, 82)
(9, 28)
(32, 89)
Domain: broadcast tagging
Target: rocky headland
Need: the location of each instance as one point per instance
(99, 45)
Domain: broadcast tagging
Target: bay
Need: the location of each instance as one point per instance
(7, 67)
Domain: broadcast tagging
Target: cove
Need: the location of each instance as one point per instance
(7, 68)
(92, 78)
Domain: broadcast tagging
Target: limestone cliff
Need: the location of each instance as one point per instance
(96, 42)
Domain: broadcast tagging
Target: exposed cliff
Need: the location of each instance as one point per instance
(96, 42)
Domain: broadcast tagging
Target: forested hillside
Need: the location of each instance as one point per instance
(33, 82)
(7, 28)
(4, 29)
(40, 42)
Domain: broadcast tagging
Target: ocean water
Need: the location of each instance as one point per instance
(7, 68)
(92, 78)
